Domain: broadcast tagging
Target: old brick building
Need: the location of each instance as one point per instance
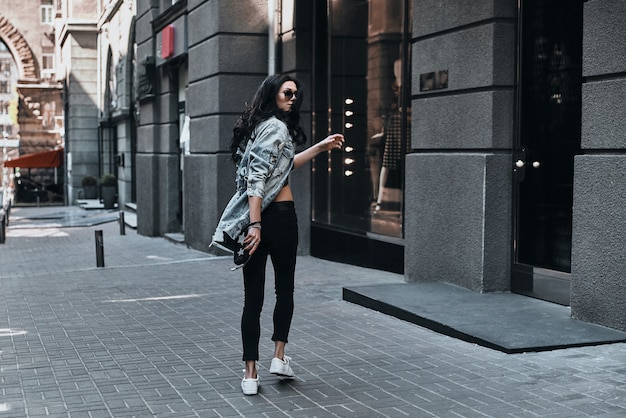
(30, 87)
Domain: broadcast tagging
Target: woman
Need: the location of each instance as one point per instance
(263, 147)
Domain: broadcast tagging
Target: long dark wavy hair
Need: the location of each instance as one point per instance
(262, 108)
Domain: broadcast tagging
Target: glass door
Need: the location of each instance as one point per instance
(549, 131)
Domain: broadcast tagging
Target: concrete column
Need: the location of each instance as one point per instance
(148, 134)
(82, 105)
(458, 178)
(227, 62)
(598, 293)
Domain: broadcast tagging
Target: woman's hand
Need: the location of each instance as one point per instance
(252, 240)
(334, 141)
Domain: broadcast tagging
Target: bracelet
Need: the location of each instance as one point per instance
(255, 225)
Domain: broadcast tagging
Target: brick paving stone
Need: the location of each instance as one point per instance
(156, 333)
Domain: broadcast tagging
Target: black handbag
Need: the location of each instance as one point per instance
(240, 255)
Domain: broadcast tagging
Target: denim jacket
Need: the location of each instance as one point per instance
(262, 172)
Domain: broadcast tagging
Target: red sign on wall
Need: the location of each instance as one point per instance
(167, 42)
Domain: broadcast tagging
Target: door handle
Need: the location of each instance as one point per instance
(519, 165)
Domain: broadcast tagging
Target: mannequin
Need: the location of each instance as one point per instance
(393, 136)
(392, 152)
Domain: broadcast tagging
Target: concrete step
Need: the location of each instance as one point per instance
(175, 237)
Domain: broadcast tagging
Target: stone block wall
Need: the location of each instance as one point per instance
(227, 59)
(599, 230)
(458, 177)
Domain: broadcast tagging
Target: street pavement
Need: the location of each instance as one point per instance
(155, 333)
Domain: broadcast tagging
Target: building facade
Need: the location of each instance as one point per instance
(96, 52)
(117, 96)
(76, 39)
(31, 111)
(484, 143)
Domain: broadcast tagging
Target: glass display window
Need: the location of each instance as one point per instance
(362, 90)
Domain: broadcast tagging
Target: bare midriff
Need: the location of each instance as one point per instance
(284, 195)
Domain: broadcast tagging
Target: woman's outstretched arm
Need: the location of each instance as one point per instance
(329, 143)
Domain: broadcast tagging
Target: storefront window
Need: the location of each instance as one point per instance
(361, 90)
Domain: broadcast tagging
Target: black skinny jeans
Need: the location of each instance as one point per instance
(279, 240)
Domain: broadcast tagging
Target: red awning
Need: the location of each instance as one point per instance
(48, 159)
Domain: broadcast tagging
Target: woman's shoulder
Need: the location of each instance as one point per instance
(272, 125)
(273, 122)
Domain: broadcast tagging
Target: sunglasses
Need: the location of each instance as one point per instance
(290, 94)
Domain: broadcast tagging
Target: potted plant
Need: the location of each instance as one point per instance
(108, 189)
(90, 187)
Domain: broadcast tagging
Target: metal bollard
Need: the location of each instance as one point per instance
(99, 249)
(122, 223)
(2, 228)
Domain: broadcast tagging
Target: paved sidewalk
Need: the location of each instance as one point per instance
(156, 333)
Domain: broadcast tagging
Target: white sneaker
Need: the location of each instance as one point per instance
(281, 367)
(250, 386)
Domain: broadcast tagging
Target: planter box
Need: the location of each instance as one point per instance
(108, 196)
(90, 192)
